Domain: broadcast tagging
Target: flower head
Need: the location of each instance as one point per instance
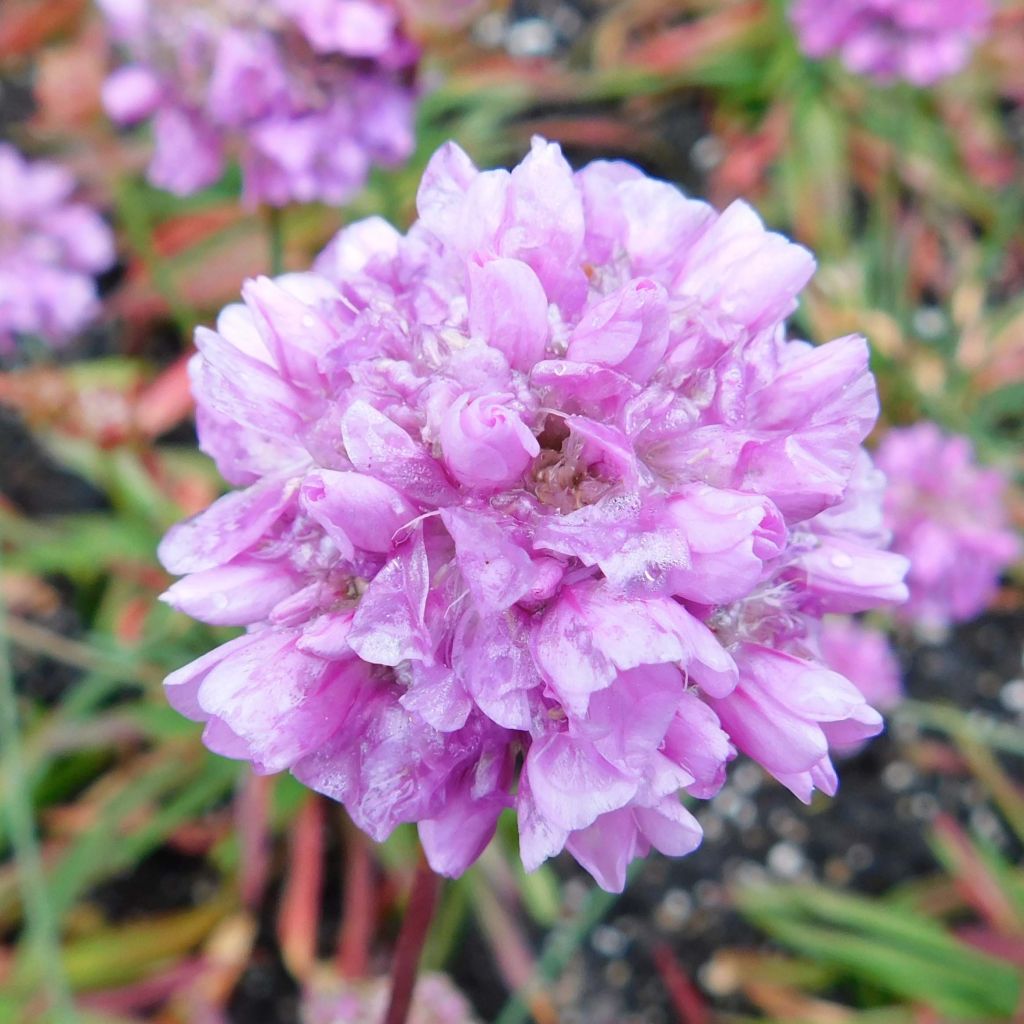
(949, 517)
(51, 246)
(920, 41)
(539, 509)
(308, 94)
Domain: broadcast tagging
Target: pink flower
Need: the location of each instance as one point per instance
(921, 41)
(864, 656)
(307, 95)
(949, 518)
(530, 513)
(51, 249)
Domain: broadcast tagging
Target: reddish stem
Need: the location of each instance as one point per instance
(686, 1000)
(299, 914)
(359, 909)
(418, 914)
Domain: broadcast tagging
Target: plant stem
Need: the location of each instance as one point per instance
(275, 239)
(560, 946)
(42, 937)
(134, 214)
(359, 907)
(411, 938)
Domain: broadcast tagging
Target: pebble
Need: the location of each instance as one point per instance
(785, 860)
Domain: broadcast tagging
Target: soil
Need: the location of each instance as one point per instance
(872, 836)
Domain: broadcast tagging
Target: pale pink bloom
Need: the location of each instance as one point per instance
(538, 509)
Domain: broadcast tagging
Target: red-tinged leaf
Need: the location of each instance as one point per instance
(141, 995)
(686, 999)
(975, 882)
(26, 24)
(166, 402)
(180, 233)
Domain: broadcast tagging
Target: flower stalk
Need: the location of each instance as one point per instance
(418, 915)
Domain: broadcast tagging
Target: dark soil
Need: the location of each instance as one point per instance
(872, 836)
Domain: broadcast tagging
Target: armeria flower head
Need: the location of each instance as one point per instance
(538, 509)
(920, 41)
(308, 94)
(949, 518)
(51, 246)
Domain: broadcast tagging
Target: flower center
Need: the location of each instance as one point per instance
(561, 477)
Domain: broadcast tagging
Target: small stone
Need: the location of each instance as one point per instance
(898, 776)
(608, 941)
(1011, 696)
(785, 860)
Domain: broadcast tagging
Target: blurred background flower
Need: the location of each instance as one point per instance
(920, 41)
(307, 96)
(52, 247)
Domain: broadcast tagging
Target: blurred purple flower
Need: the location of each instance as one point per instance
(948, 516)
(540, 509)
(435, 1001)
(50, 249)
(308, 94)
(920, 41)
(864, 656)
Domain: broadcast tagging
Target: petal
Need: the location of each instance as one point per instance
(669, 827)
(497, 571)
(509, 310)
(572, 784)
(356, 510)
(389, 625)
(380, 448)
(607, 848)
(231, 525)
(237, 594)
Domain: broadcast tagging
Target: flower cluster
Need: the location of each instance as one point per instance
(308, 94)
(949, 518)
(920, 41)
(50, 249)
(538, 508)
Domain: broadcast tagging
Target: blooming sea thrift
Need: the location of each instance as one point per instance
(920, 41)
(537, 508)
(308, 94)
(50, 249)
(948, 516)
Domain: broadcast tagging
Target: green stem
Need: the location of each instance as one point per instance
(275, 239)
(42, 936)
(133, 211)
(559, 948)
